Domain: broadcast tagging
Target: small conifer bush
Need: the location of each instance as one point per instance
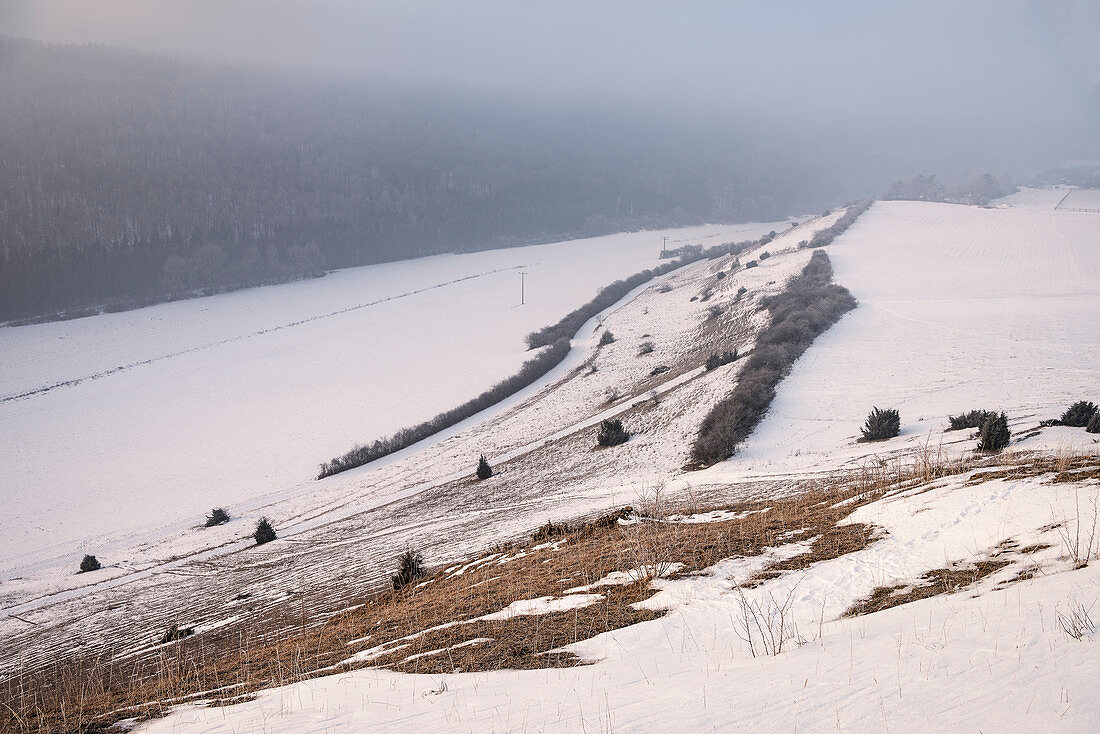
(410, 567)
(765, 255)
(606, 338)
(720, 275)
(751, 264)
(971, 419)
(265, 533)
(881, 425)
(217, 516)
(994, 434)
(645, 348)
(612, 433)
(90, 563)
(1079, 414)
(1094, 423)
(716, 360)
(484, 471)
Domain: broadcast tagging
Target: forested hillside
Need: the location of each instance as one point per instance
(125, 178)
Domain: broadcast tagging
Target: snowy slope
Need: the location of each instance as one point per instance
(993, 658)
(959, 308)
(347, 526)
(159, 414)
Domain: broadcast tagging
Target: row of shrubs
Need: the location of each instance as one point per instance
(556, 336)
(826, 236)
(808, 306)
(531, 370)
(993, 432)
(607, 296)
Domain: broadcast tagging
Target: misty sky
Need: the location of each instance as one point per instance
(975, 62)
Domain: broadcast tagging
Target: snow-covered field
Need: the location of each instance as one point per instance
(960, 308)
(157, 415)
(349, 525)
(1082, 199)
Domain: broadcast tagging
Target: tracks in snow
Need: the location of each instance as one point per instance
(231, 340)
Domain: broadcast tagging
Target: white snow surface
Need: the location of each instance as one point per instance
(159, 414)
(960, 308)
(990, 658)
(543, 605)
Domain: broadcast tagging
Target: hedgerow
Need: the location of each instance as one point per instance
(826, 236)
(808, 306)
(531, 370)
(556, 337)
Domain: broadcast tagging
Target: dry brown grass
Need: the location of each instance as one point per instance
(947, 580)
(89, 693)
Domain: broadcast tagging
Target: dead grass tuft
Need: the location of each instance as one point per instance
(938, 581)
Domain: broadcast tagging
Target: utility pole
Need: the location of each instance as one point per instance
(664, 245)
(522, 277)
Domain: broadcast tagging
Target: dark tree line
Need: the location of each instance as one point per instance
(1085, 176)
(126, 179)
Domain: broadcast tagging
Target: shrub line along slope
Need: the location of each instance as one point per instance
(810, 304)
(556, 337)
